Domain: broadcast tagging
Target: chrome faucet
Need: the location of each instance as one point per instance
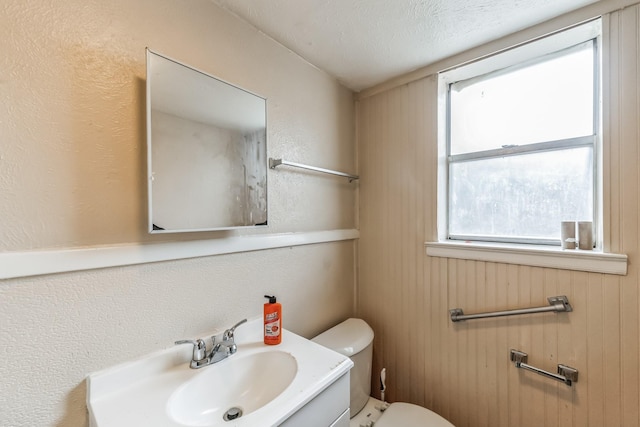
(219, 351)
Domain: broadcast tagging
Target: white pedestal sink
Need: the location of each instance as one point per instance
(259, 386)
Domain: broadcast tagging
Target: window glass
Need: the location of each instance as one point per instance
(521, 197)
(551, 99)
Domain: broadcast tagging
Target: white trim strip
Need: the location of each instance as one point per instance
(34, 263)
(591, 261)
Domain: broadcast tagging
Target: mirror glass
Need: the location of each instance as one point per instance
(207, 151)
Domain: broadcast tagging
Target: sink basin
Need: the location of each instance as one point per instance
(269, 385)
(246, 383)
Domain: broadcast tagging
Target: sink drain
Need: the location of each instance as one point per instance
(232, 414)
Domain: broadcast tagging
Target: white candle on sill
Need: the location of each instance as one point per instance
(568, 234)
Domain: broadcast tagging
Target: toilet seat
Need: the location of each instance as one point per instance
(409, 415)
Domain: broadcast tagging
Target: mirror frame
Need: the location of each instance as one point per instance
(152, 228)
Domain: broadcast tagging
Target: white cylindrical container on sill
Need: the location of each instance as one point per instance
(585, 235)
(568, 234)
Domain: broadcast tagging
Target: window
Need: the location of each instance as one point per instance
(522, 140)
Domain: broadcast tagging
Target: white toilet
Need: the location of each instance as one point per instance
(354, 338)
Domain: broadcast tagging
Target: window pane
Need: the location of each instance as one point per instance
(521, 196)
(546, 101)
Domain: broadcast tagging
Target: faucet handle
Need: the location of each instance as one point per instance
(215, 346)
(199, 348)
(228, 334)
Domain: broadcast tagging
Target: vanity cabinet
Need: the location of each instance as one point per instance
(330, 408)
(343, 421)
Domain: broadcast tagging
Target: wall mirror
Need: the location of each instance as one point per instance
(206, 151)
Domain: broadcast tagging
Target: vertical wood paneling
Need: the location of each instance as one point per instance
(406, 222)
(462, 370)
(611, 367)
(480, 370)
(612, 152)
(491, 416)
(440, 348)
(525, 324)
(389, 260)
(628, 116)
(415, 230)
(514, 376)
(535, 282)
(578, 358)
(393, 286)
(565, 350)
(595, 350)
(550, 352)
(502, 346)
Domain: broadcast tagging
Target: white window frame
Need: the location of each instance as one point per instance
(523, 253)
(531, 148)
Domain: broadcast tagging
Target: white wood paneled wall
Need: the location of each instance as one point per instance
(462, 371)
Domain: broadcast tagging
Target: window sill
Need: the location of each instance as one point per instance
(537, 256)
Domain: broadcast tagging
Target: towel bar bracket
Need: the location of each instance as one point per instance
(454, 313)
(571, 374)
(519, 357)
(561, 303)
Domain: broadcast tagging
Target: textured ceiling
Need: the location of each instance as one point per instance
(365, 42)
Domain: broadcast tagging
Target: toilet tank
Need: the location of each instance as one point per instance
(353, 338)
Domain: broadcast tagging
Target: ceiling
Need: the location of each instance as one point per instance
(365, 42)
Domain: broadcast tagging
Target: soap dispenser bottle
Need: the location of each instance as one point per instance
(272, 321)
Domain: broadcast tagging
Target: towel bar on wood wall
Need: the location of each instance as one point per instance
(556, 304)
(566, 374)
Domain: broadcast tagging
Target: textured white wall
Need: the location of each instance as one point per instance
(72, 173)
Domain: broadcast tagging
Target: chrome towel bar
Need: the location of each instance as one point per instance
(556, 304)
(566, 374)
(273, 163)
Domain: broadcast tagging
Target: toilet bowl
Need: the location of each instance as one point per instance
(354, 338)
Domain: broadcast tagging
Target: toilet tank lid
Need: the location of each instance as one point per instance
(349, 337)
